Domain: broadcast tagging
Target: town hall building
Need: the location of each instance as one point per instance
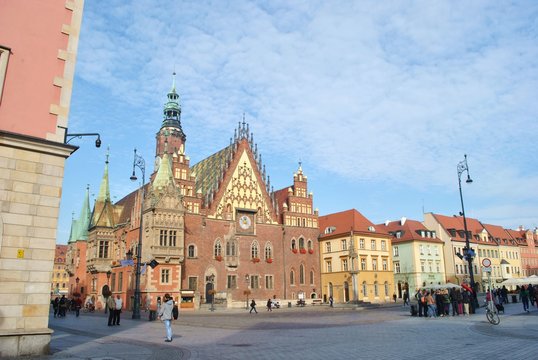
(215, 230)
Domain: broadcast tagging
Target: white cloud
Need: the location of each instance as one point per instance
(382, 92)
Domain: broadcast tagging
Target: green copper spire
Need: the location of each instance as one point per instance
(164, 175)
(79, 228)
(172, 110)
(84, 218)
(104, 190)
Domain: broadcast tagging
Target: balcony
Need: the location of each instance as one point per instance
(166, 251)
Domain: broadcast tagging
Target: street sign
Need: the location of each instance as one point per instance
(486, 262)
(486, 269)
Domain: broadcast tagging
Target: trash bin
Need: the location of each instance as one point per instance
(514, 298)
(413, 310)
(152, 315)
(289, 303)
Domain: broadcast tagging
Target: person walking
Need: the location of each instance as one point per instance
(253, 306)
(406, 298)
(466, 299)
(331, 301)
(524, 294)
(111, 305)
(165, 314)
(269, 305)
(62, 306)
(56, 306)
(78, 305)
(117, 310)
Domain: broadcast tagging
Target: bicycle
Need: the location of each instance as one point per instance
(88, 308)
(491, 313)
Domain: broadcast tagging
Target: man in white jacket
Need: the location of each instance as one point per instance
(165, 314)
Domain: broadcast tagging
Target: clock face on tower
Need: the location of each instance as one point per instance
(245, 222)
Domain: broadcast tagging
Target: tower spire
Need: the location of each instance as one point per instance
(172, 110)
(104, 190)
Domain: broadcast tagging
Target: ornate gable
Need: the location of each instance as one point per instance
(244, 191)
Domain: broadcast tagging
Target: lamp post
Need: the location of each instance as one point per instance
(139, 162)
(69, 137)
(468, 253)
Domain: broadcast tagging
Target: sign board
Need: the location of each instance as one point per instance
(20, 254)
(486, 262)
(486, 269)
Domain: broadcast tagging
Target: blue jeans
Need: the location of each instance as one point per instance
(168, 325)
(432, 310)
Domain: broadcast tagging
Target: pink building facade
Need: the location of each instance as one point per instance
(38, 48)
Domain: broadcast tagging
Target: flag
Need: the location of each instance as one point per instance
(127, 262)
(143, 270)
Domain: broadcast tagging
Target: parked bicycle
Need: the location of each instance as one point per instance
(491, 313)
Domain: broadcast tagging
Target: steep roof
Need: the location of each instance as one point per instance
(345, 221)
(208, 171)
(456, 223)
(498, 233)
(411, 230)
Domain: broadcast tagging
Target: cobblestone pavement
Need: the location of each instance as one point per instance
(303, 333)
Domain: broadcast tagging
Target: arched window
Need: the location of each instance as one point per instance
(386, 288)
(217, 251)
(254, 253)
(292, 277)
(364, 289)
(231, 247)
(191, 251)
(311, 277)
(301, 243)
(301, 274)
(376, 290)
(268, 251)
(293, 244)
(309, 244)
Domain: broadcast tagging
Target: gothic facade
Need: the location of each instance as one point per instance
(215, 230)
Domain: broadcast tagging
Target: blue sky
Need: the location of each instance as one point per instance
(379, 100)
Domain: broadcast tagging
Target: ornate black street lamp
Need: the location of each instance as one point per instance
(141, 164)
(468, 253)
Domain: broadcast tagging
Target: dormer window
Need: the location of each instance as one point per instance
(330, 229)
(421, 233)
(371, 228)
(398, 234)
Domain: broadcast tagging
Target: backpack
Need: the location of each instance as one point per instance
(175, 312)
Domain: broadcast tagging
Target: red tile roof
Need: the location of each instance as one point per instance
(411, 230)
(498, 233)
(345, 221)
(456, 223)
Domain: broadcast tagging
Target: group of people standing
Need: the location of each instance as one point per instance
(62, 305)
(443, 302)
(527, 293)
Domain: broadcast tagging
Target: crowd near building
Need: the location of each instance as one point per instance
(218, 231)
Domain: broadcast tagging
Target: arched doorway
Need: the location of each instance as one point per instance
(346, 291)
(208, 293)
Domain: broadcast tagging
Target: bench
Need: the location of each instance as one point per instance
(317, 302)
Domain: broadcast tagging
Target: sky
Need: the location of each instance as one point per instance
(378, 100)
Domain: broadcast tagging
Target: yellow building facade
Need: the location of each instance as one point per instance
(356, 263)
